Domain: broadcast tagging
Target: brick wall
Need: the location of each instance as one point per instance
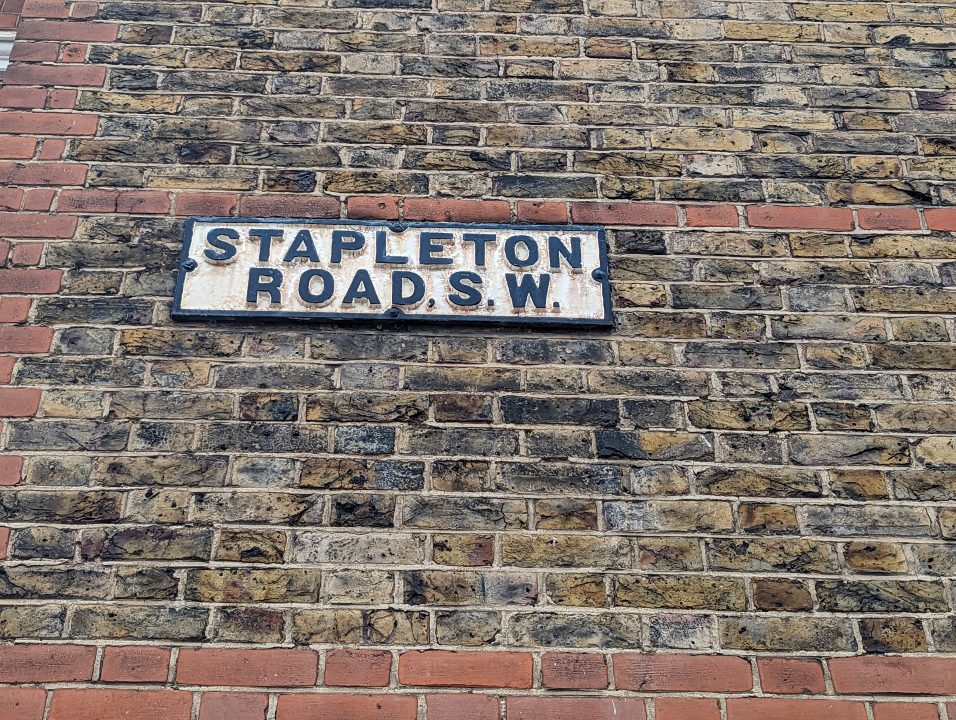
(739, 503)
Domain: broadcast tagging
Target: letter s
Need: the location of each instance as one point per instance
(214, 238)
(472, 296)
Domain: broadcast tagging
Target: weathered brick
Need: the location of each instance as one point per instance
(254, 668)
(233, 706)
(452, 706)
(347, 706)
(789, 634)
(753, 708)
(907, 676)
(128, 622)
(574, 671)
(669, 673)
(47, 663)
(435, 668)
(135, 664)
(23, 703)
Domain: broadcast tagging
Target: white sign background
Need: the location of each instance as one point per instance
(209, 286)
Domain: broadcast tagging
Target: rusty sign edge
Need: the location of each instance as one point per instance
(392, 314)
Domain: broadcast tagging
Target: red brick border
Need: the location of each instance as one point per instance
(493, 679)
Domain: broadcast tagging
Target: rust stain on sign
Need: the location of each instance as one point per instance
(237, 267)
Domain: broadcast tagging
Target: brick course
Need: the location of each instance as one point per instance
(737, 503)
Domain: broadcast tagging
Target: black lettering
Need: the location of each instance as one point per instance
(302, 246)
(361, 287)
(305, 286)
(521, 290)
(345, 240)
(381, 252)
(558, 250)
(215, 238)
(265, 241)
(511, 251)
(480, 240)
(427, 248)
(471, 296)
(398, 288)
(264, 280)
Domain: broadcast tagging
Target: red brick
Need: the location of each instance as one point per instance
(34, 51)
(309, 206)
(4, 540)
(9, 21)
(347, 707)
(46, 663)
(14, 309)
(233, 706)
(461, 707)
(4, 248)
(444, 668)
(372, 208)
(711, 216)
(683, 708)
(25, 339)
(52, 149)
(598, 213)
(99, 704)
(574, 671)
(358, 668)
(45, 9)
(74, 53)
(787, 709)
(29, 225)
(84, 9)
(30, 281)
(11, 469)
(43, 173)
(69, 31)
(39, 199)
(6, 374)
(206, 204)
(888, 218)
(135, 664)
(951, 710)
(682, 673)
(905, 711)
(62, 99)
(62, 75)
(574, 708)
(941, 219)
(20, 703)
(904, 676)
(791, 675)
(250, 668)
(10, 199)
(17, 148)
(20, 98)
(546, 213)
(800, 217)
(87, 201)
(143, 202)
(442, 210)
(49, 123)
(26, 254)
(19, 402)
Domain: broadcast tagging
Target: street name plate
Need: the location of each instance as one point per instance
(237, 267)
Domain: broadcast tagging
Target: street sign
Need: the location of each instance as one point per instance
(238, 267)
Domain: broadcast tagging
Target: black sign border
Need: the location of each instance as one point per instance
(392, 315)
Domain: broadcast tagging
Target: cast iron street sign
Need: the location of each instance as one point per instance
(237, 267)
